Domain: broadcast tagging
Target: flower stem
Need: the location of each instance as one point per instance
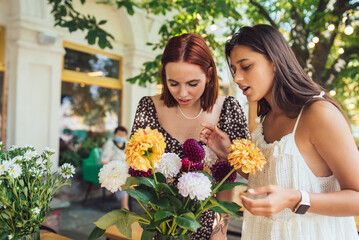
(147, 154)
(214, 191)
(144, 208)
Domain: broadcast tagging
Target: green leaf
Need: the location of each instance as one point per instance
(147, 181)
(148, 234)
(230, 185)
(162, 214)
(163, 187)
(188, 222)
(131, 181)
(102, 22)
(109, 219)
(125, 221)
(176, 203)
(225, 207)
(96, 233)
(140, 194)
(161, 203)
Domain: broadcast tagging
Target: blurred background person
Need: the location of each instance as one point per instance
(113, 150)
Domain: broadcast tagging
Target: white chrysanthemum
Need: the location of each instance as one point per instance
(30, 154)
(194, 184)
(67, 170)
(9, 237)
(210, 158)
(169, 165)
(113, 175)
(36, 210)
(15, 171)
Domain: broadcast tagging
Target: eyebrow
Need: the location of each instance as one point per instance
(242, 60)
(190, 81)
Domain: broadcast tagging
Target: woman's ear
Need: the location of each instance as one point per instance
(209, 74)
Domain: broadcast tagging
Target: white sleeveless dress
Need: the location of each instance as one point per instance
(286, 167)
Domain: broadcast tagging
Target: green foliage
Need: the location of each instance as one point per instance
(27, 187)
(86, 146)
(69, 156)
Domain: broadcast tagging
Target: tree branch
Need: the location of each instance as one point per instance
(264, 12)
(344, 8)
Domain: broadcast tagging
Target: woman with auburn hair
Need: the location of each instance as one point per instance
(309, 187)
(190, 97)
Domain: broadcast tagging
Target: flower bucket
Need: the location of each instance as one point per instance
(31, 236)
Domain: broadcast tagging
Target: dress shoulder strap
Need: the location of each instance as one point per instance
(320, 95)
(296, 123)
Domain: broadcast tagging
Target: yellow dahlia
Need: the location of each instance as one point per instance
(145, 140)
(244, 154)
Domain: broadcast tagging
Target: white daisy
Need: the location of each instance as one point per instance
(30, 154)
(15, 171)
(17, 158)
(5, 166)
(36, 210)
(67, 170)
(169, 165)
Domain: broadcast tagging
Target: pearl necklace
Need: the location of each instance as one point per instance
(190, 118)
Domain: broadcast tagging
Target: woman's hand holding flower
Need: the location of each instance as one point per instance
(216, 139)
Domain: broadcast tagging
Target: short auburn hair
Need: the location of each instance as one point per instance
(190, 48)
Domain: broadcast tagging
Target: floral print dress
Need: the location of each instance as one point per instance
(232, 121)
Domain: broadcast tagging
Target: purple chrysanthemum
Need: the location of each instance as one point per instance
(221, 169)
(195, 166)
(193, 150)
(138, 173)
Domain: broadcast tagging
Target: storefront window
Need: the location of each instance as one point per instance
(93, 64)
(91, 101)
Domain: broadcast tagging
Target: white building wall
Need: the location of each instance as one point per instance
(33, 70)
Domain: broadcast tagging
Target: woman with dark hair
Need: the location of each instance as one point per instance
(312, 162)
(190, 97)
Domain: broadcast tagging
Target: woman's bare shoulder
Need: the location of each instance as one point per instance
(322, 117)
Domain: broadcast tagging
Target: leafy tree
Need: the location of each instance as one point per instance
(299, 21)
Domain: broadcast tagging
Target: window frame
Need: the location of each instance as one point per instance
(83, 78)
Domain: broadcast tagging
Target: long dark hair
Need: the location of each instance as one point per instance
(191, 48)
(292, 87)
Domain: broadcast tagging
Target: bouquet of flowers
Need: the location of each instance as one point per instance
(27, 187)
(172, 191)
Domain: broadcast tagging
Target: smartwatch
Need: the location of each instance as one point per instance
(304, 204)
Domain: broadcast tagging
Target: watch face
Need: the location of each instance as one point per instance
(302, 209)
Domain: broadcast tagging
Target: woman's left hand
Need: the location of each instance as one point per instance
(277, 199)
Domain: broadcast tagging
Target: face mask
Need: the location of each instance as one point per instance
(120, 140)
